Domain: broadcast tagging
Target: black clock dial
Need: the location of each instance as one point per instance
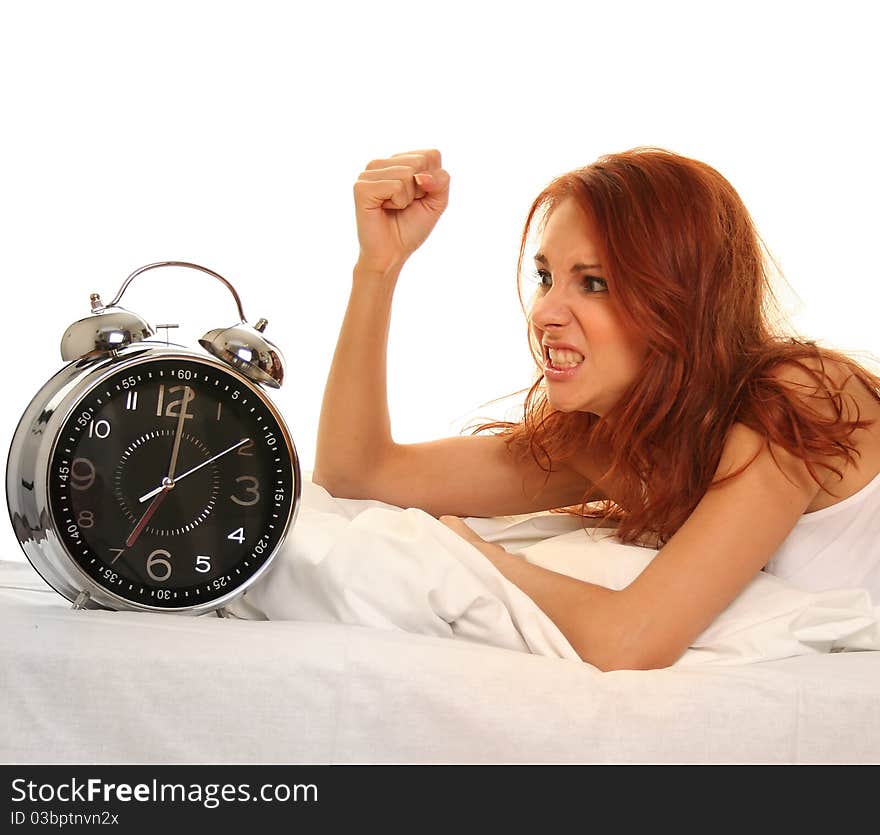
(172, 482)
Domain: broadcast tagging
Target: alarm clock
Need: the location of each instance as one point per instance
(150, 476)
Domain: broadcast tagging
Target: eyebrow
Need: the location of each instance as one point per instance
(575, 268)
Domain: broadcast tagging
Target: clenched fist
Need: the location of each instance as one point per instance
(397, 203)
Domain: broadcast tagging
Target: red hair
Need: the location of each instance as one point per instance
(686, 268)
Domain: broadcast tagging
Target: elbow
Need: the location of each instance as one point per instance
(352, 478)
(339, 488)
(324, 480)
(345, 486)
(336, 484)
(608, 662)
(623, 663)
(626, 648)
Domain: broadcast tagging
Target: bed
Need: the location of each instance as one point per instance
(378, 636)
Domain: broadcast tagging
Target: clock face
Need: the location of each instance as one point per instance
(172, 482)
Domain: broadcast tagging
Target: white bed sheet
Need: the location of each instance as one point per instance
(368, 563)
(107, 687)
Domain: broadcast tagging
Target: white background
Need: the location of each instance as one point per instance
(230, 134)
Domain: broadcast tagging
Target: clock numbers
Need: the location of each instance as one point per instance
(159, 565)
(174, 429)
(82, 474)
(181, 403)
(99, 428)
(252, 488)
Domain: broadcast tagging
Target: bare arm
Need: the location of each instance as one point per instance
(354, 430)
(473, 476)
(356, 456)
(395, 214)
(729, 537)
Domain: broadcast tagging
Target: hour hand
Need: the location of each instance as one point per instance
(154, 506)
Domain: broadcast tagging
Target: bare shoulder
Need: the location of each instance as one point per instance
(745, 448)
(856, 402)
(807, 376)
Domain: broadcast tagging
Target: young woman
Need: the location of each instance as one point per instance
(662, 392)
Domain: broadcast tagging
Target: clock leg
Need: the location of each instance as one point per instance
(81, 600)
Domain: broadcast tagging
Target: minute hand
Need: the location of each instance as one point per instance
(180, 478)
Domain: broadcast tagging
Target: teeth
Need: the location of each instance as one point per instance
(563, 358)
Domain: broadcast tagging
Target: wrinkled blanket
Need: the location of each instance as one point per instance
(375, 565)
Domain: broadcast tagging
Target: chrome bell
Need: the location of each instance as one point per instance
(112, 328)
(246, 349)
(107, 329)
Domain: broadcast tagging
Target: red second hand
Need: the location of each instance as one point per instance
(138, 529)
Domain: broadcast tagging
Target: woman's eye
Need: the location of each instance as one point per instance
(592, 284)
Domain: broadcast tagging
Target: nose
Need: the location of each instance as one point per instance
(550, 310)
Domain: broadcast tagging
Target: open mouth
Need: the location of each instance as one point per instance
(562, 359)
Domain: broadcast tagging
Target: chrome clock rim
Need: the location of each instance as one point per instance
(33, 449)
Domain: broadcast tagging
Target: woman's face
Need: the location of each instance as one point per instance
(597, 358)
